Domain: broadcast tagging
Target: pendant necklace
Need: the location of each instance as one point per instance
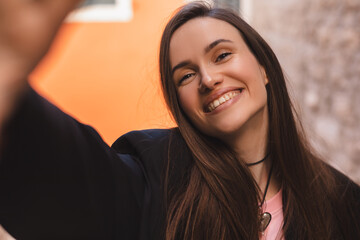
(265, 217)
(255, 163)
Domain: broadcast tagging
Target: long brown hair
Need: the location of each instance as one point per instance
(218, 198)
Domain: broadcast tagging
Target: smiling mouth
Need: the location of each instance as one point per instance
(222, 99)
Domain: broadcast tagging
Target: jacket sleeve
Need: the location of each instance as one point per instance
(59, 180)
(347, 208)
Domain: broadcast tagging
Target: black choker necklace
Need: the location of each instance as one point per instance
(255, 163)
(265, 217)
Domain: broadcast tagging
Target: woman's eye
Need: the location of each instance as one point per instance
(186, 76)
(222, 56)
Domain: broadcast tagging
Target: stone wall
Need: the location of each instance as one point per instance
(318, 45)
(232, 4)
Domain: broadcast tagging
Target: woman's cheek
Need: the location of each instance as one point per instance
(186, 99)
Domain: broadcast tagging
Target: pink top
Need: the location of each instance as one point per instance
(274, 207)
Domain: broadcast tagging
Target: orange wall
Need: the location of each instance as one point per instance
(106, 74)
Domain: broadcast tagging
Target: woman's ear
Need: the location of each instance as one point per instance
(264, 75)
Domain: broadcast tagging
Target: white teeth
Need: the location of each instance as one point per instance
(222, 99)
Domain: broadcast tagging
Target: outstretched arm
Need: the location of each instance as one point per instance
(58, 179)
(27, 29)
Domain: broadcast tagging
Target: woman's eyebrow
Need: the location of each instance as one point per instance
(214, 43)
(180, 65)
(206, 50)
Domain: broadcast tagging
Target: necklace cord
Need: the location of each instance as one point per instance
(267, 185)
(265, 217)
(262, 160)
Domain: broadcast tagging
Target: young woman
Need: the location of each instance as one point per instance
(237, 167)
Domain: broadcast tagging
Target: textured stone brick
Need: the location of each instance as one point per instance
(318, 45)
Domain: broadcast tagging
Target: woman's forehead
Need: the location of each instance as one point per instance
(193, 36)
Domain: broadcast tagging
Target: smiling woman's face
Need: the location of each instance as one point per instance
(220, 84)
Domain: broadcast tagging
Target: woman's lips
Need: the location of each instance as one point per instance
(227, 96)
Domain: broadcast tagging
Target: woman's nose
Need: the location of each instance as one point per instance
(209, 81)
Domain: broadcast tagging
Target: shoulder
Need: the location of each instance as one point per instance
(345, 189)
(344, 184)
(148, 149)
(151, 149)
(136, 142)
(346, 204)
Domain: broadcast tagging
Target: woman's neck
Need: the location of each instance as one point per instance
(261, 173)
(251, 145)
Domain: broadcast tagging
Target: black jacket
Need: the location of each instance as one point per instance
(59, 180)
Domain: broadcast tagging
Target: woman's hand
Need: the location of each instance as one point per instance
(27, 29)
